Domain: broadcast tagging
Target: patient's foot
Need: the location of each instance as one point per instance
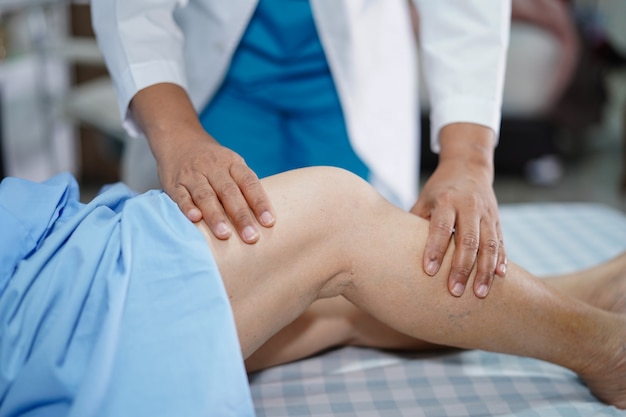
(602, 286)
(606, 374)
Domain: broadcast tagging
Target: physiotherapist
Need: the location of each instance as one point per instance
(226, 92)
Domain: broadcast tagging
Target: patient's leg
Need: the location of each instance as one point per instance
(330, 322)
(603, 286)
(335, 236)
(337, 322)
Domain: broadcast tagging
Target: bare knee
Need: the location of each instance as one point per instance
(355, 212)
(352, 198)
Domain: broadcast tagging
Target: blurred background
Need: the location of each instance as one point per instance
(564, 108)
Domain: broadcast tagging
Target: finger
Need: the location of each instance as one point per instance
(439, 232)
(181, 196)
(254, 194)
(502, 258)
(206, 200)
(236, 207)
(487, 260)
(420, 209)
(467, 242)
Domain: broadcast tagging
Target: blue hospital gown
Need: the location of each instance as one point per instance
(112, 308)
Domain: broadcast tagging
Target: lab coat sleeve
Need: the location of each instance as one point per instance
(142, 45)
(463, 50)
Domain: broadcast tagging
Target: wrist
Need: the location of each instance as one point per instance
(468, 145)
(167, 118)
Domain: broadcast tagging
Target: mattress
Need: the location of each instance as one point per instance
(543, 238)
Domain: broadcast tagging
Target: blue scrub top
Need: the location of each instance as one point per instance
(278, 106)
(112, 308)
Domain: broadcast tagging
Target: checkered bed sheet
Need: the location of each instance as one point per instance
(543, 238)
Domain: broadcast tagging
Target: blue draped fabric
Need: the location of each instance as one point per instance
(112, 308)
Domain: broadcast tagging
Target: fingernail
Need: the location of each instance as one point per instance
(458, 289)
(249, 233)
(222, 229)
(432, 267)
(194, 215)
(267, 218)
(502, 269)
(482, 290)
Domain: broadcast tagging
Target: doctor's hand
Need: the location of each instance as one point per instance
(205, 179)
(459, 201)
(211, 182)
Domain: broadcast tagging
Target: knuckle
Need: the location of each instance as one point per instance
(462, 271)
(470, 242)
(484, 277)
(259, 204)
(236, 159)
(249, 181)
(444, 198)
(203, 195)
(442, 228)
(472, 202)
(491, 247)
(173, 185)
(228, 189)
(241, 216)
(180, 195)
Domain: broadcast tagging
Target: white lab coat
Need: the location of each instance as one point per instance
(371, 52)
